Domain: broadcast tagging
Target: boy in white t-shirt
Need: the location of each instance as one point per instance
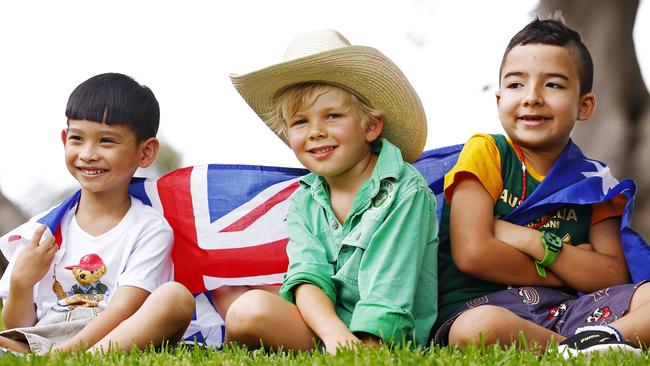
(107, 283)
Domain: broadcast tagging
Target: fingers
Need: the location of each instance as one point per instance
(47, 245)
(36, 238)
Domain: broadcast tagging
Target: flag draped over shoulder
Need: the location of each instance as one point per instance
(574, 179)
(229, 221)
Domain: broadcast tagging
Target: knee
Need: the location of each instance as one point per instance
(179, 297)
(640, 297)
(247, 313)
(476, 325)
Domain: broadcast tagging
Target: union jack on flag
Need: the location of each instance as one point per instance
(228, 222)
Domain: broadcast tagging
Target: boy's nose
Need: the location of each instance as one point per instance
(533, 98)
(317, 130)
(88, 154)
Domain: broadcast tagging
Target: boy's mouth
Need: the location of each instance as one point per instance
(91, 172)
(533, 119)
(321, 150)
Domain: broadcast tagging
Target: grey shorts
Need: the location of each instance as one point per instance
(54, 331)
(551, 308)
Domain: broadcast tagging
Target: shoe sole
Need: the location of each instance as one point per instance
(569, 352)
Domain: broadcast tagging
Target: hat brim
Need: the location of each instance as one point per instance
(362, 70)
(88, 267)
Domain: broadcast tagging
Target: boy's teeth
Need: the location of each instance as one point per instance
(91, 172)
(325, 149)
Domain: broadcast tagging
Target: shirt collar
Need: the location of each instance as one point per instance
(389, 165)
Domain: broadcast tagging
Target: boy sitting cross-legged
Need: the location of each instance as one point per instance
(106, 286)
(363, 228)
(545, 86)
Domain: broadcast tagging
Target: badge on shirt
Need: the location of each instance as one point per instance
(385, 194)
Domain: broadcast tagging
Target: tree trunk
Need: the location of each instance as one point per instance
(621, 124)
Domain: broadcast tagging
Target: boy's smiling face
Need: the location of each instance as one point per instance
(328, 138)
(539, 99)
(102, 157)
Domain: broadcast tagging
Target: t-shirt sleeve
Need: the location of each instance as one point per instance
(480, 157)
(608, 209)
(149, 263)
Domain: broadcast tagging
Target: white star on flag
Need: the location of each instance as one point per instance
(603, 173)
(208, 323)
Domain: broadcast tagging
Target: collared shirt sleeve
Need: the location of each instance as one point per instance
(392, 264)
(307, 255)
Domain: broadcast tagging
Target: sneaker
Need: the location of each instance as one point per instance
(588, 342)
(7, 352)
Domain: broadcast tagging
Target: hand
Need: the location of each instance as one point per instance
(34, 260)
(342, 341)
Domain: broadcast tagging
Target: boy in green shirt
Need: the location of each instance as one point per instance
(363, 229)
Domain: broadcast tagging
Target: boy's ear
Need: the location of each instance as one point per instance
(497, 94)
(148, 152)
(374, 128)
(587, 106)
(64, 136)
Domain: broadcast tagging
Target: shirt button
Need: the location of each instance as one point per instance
(335, 225)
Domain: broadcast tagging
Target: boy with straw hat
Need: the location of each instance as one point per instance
(363, 229)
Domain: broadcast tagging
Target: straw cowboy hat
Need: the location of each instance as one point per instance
(327, 57)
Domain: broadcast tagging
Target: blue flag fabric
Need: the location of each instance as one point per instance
(574, 179)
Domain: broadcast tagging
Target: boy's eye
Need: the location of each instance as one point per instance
(554, 86)
(334, 115)
(105, 140)
(297, 122)
(514, 85)
(74, 137)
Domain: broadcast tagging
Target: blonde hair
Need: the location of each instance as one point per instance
(299, 97)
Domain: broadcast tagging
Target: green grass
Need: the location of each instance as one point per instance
(359, 356)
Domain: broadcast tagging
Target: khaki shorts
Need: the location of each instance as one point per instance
(54, 331)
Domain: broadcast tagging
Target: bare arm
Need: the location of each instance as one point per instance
(124, 303)
(31, 265)
(583, 270)
(318, 313)
(474, 247)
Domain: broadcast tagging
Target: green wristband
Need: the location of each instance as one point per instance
(552, 245)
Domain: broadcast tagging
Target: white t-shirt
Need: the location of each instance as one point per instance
(136, 252)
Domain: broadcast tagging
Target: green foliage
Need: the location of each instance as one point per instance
(472, 356)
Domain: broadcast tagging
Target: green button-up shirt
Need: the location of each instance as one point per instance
(379, 268)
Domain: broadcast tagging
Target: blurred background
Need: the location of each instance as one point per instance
(184, 51)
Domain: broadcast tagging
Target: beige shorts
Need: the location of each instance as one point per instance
(54, 331)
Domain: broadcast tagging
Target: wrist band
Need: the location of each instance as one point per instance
(552, 245)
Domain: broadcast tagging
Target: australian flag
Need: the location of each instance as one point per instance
(229, 221)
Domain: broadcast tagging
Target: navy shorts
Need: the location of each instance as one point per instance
(553, 309)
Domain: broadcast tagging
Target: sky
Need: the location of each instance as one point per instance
(186, 50)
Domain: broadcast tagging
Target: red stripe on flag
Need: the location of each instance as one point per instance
(258, 260)
(260, 210)
(175, 196)
(58, 238)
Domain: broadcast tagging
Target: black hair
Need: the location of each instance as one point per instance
(554, 32)
(118, 99)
